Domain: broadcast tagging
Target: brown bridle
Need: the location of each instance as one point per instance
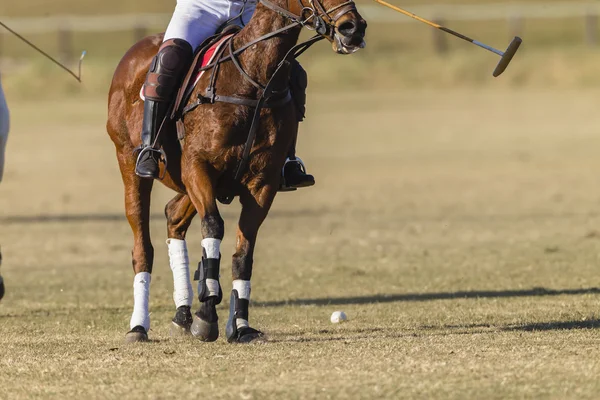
(323, 21)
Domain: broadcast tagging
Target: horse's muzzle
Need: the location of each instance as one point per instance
(349, 34)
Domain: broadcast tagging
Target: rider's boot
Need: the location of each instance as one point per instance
(294, 171)
(167, 70)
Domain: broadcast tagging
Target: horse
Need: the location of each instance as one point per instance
(230, 150)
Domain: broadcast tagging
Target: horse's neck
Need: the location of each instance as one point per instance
(261, 60)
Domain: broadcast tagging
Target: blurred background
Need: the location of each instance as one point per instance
(561, 44)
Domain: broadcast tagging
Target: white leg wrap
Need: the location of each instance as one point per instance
(4, 125)
(212, 249)
(183, 293)
(141, 297)
(243, 290)
(213, 287)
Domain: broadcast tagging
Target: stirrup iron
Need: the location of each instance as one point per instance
(284, 186)
(162, 157)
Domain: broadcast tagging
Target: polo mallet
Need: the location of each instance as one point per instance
(42, 52)
(506, 56)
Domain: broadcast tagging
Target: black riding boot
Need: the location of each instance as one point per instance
(167, 71)
(294, 171)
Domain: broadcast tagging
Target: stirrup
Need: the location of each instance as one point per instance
(283, 187)
(162, 157)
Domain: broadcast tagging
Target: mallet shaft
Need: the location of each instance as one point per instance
(48, 56)
(442, 28)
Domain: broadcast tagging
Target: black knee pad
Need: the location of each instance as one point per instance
(168, 69)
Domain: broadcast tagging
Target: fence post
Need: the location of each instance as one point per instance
(65, 44)
(591, 29)
(440, 39)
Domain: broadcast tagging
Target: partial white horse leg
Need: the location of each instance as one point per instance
(4, 125)
(179, 212)
(137, 210)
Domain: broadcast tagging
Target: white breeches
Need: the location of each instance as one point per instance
(4, 125)
(196, 20)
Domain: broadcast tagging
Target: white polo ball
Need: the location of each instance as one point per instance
(338, 316)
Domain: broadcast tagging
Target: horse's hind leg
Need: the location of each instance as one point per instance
(255, 208)
(200, 187)
(179, 212)
(137, 209)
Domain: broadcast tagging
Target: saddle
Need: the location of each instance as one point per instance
(210, 50)
(208, 57)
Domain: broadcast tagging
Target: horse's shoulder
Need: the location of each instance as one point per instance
(136, 61)
(144, 49)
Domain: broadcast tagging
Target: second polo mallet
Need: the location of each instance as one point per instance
(506, 56)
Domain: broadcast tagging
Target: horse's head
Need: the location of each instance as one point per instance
(347, 28)
(336, 20)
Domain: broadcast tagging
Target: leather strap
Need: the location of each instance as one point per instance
(268, 93)
(270, 103)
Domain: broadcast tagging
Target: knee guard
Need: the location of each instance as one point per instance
(168, 69)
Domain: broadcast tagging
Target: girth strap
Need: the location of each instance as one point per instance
(270, 103)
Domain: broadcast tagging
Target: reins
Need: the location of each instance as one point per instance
(323, 24)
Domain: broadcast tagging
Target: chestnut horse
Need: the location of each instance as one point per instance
(203, 168)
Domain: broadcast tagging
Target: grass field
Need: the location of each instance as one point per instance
(459, 230)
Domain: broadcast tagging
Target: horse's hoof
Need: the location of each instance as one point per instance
(137, 334)
(1, 288)
(246, 335)
(182, 322)
(205, 331)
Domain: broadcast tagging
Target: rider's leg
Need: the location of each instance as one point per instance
(193, 22)
(294, 172)
(167, 70)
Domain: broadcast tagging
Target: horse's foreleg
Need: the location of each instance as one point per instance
(200, 186)
(255, 208)
(179, 212)
(137, 209)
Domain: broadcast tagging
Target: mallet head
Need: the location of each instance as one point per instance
(508, 56)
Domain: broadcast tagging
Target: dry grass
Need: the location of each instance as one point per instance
(437, 220)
